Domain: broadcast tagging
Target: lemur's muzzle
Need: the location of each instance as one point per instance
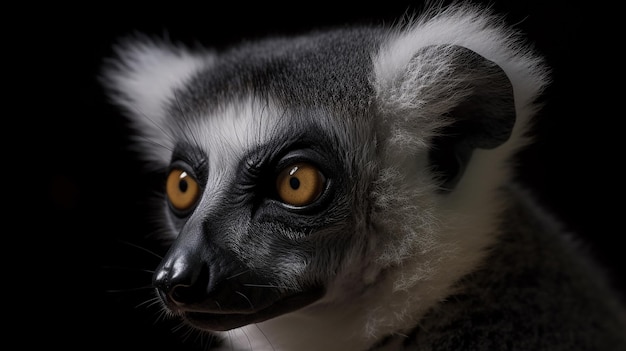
(212, 289)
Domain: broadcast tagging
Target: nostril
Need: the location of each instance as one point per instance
(161, 280)
(182, 294)
(180, 281)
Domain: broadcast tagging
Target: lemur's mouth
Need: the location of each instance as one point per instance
(218, 321)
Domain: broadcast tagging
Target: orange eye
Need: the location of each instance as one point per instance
(182, 190)
(299, 184)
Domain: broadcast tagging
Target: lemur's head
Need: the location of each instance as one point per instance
(318, 169)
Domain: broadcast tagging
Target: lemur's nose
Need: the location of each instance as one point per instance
(179, 278)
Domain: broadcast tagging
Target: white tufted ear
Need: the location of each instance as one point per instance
(471, 27)
(458, 74)
(142, 79)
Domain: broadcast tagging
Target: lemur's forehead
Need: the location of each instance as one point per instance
(227, 133)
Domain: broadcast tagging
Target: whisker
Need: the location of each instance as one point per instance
(128, 269)
(230, 339)
(161, 315)
(245, 297)
(181, 326)
(206, 340)
(265, 336)
(189, 131)
(243, 330)
(155, 143)
(128, 289)
(268, 286)
(264, 110)
(238, 274)
(140, 248)
(149, 302)
(186, 332)
(169, 136)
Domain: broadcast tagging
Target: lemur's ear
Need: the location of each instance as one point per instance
(483, 119)
(459, 101)
(142, 78)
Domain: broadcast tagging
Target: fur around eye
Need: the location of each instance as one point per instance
(299, 184)
(182, 190)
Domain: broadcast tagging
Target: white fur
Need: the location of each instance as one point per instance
(146, 76)
(463, 224)
(469, 26)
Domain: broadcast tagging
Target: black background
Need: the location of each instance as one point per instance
(85, 283)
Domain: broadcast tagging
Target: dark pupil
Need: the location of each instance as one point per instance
(182, 185)
(294, 183)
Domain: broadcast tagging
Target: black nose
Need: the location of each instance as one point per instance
(181, 279)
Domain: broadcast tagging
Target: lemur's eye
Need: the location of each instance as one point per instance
(299, 184)
(182, 189)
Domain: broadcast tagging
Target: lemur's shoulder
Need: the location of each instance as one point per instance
(538, 279)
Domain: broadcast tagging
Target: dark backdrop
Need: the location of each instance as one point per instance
(89, 283)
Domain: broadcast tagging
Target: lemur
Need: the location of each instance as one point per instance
(353, 189)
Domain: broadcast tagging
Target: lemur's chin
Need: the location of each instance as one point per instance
(228, 320)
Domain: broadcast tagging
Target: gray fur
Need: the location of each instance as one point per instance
(417, 241)
(537, 290)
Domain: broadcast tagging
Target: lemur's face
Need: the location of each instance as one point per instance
(300, 171)
(255, 207)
